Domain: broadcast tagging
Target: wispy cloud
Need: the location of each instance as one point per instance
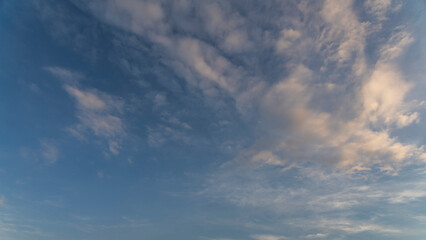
(323, 96)
(316, 235)
(407, 196)
(268, 237)
(354, 227)
(98, 112)
(100, 174)
(65, 75)
(49, 151)
(95, 112)
(355, 135)
(380, 8)
(347, 135)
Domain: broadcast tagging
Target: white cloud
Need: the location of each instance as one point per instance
(86, 100)
(353, 227)
(344, 36)
(396, 45)
(352, 144)
(383, 98)
(204, 61)
(208, 238)
(316, 235)
(268, 237)
(104, 125)
(200, 63)
(407, 196)
(227, 27)
(340, 113)
(98, 112)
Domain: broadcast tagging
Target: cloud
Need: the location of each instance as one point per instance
(161, 134)
(173, 120)
(320, 102)
(344, 36)
(319, 88)
(354, 227)
(352, 143)
(323, 101)
(198, 61)
(316, 235)
(49, 151)
(394, 48)
(114, 147)
(208, 238)
(228, 28)
(63, 74)
(287, 39)
(407, 196)
(82, 218)
(98, 112)
(132, 15)
(207, 69)
(86, 100)
(383, 98)
(160, 100)
(310, 191)
(100, 174)
(268, 237)
(378, 8)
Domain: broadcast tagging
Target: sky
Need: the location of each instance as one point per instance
(212, 120)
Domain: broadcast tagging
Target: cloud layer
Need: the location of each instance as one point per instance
(341, 111)
(296, 115)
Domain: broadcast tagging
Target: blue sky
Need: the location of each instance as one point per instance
(212, 120)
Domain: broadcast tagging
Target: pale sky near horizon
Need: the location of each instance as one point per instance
(212, 120)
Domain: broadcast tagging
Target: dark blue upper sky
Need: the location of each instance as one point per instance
(212, 120)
